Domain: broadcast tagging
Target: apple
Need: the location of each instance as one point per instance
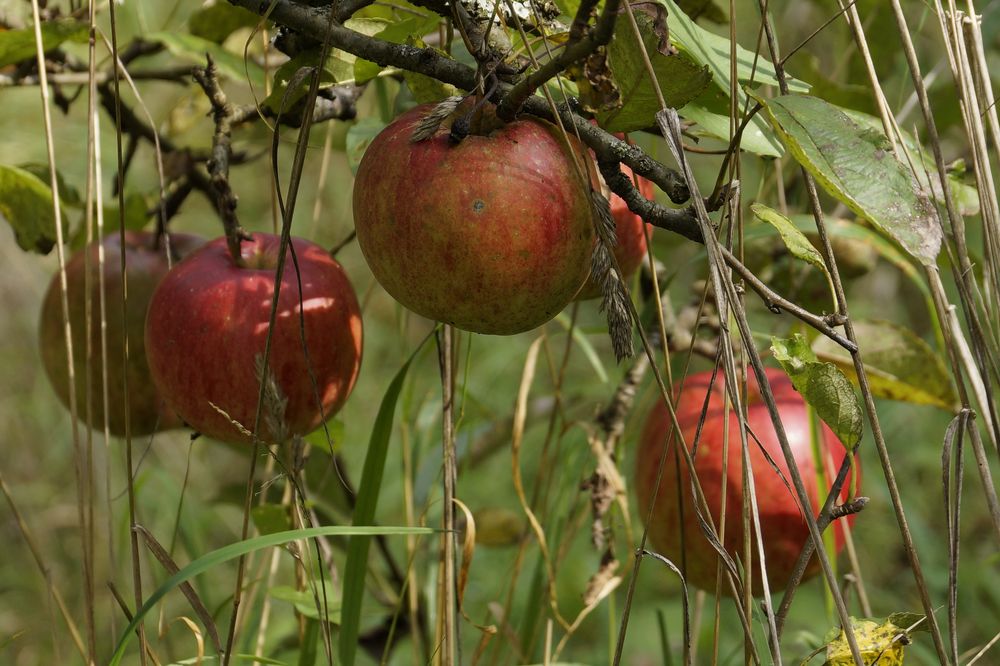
(145, 266)
(631, 248)
(208, 322)
(492, 235)
(783, 528)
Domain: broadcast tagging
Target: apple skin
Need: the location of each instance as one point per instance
(783, 528)
(631, 248)
(208, 320)
(145, 266)
(492, 235)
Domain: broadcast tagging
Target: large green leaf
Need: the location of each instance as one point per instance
(855, 164)
(18, 45)
(356, 568)
(232, 551)
(193, 49)
(965, 196)
(823, 386)
(26, 204)
(680, 78)
(712, 50)
(898, 363)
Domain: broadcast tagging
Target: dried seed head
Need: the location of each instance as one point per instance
(275, 401)
(604, 222)
(432, 121)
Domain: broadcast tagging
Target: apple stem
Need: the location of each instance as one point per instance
(226, 115)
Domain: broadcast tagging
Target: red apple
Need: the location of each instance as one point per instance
(631, 248)
(208, 322)
(145, 266)
(493, 234)
(783, 528)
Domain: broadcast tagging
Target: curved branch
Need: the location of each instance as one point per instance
(427, 61)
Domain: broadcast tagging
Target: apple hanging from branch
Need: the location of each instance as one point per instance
(206, 331)
(145, 265)
(492, 234)
(783, 528)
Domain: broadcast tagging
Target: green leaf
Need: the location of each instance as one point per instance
(794, 240)
(905, 620)
(68, 194)
(397, 32)
(966, 196)
(712, 50)
(359, 137)
(270, 518)
(711, 113)
(356, 568)
(18, 45)
(898, 363)
(232, 551)
(194, 49)
(280, 101)
(26, 204)
(855, 165)
(823, 386)
(681, 79)
(425, 89)
(216, 22)
(305, 602)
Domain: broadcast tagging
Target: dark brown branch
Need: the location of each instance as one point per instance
(431, 63)
(226, 115)
(574, 52)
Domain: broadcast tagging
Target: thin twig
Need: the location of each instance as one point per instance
(226, 116)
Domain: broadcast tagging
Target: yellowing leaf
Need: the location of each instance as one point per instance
(878, 643)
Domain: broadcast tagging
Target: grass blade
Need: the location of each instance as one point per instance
(232, 551)
(364, 514)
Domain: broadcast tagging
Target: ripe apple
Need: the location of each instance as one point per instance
(145, 266)
(631, 248)
(783, 528)
(493, 234)
(208, 322)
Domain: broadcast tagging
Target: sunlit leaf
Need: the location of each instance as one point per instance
(876, 641)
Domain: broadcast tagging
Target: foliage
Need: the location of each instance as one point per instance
(257, 115)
